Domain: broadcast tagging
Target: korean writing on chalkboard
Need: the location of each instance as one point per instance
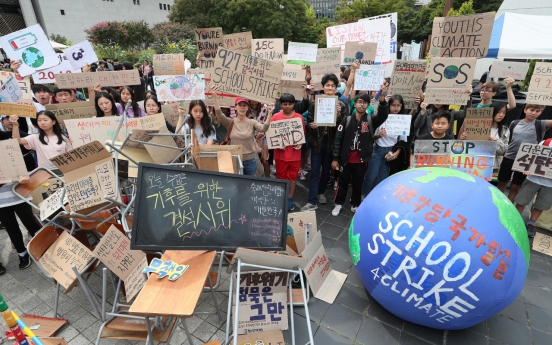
(264, 199)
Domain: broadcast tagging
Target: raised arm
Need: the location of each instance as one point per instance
(351, 81)
(181, 118)
(511, 98)
(15, 130)
(264, 127)
(383, 109)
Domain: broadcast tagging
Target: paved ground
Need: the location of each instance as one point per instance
(353, 318)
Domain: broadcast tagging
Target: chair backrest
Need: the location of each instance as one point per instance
(35, 179)
(42, 240)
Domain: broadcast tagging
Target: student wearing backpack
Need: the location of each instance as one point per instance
(353, 147)
(528, 130)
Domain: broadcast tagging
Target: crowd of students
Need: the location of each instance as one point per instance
(356, 151)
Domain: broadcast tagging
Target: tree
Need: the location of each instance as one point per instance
(58, 38)
(481, 6)
(418, 24)
(315, 30)
(195, 13)
(107, 33)
(139, 35)
(172, 32)
(358, 9)
(465, 9)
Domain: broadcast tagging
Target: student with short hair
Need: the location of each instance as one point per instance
(62, 95)
(42, 93)
(538, 186)
(440, 123)
(288, 159)
(528, 130)
(489, 89)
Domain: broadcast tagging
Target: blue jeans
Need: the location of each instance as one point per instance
(376, 168)
(319, 160)
(250, 166)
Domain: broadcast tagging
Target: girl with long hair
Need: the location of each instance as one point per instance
(200, 121)
(127, 94)
(106, 106)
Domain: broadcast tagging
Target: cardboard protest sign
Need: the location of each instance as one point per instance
(378, 30)
(84, 131)
(114, 252)
(271, 49)
(534, 159)
(285, 133)
(365, 53)
(225, 99)
(462, 36)
(44, 327)
(478, 122)
(170, 112)
(504, 69)
(208, 42)
(64, 253)
(163, 155)
(172, 88)
(47, 76)
(24, 85)
(52, 204)
(540, 86)
(302, 53)
(262, 338)
(73, 110)
(327, 61)
(89, 176)
(474, 157)
(398, 124)
(541, 244)
(369, 77)
(10, 91)
(292, 87)
(447, 80)
(112, 78)
(298, 239)
(325, 111)
(12, 165)
(18, 109)
(337, 36)
(293, 72)
(31, 47)
(407, 79)
(239, 42)
(169, 64)
(249, 77)
(324, 282)
(80, 54)
(263, 302)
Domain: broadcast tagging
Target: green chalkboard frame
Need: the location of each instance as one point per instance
(140, 209)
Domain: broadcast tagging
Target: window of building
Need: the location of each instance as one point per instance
(160, 6)
(136, 2)
(169, 7)
(62, 12)
(165, 7)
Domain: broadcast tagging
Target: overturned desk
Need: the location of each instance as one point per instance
(161, 297)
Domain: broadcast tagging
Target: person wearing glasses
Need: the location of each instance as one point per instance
(489, 90)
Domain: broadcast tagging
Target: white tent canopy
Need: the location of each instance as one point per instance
(521, 36)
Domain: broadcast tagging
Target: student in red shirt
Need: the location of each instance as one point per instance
(288, 159)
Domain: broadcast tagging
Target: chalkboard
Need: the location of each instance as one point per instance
(178, 208)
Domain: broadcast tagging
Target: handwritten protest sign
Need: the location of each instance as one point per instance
(169, 64)
(18, 109)
(260, 312)
(407, 79)
(474, 157)
(10, 91)
(534, 159)
(447, 80)
(24, 85)
(271, 49)
(285, 133)
(75, 110)
(265, 338)
(52, 204)
(378, 30)
(302, 53)
(540, 86)
(250, 77)
(64, 253)
(239, 42)
(225, 99)
(31, 47)
(478, 122)
(208, 42)
(337, 36)
(324, 282)
(292, 87)
(293, 72)
(80, 55)
(12, 165)
(171, 88)
(398, 124)
(114, 252)
(47, 76)
(541, 244)
(170, 112)
(462, 36)
(369, 77)
(115, 78)
(504, 69)
(365, 53)
(325, 112)
(327, 61)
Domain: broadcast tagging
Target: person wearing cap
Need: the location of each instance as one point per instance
(242, 129)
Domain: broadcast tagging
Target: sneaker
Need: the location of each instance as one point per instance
(354, 209)
(302, 175)
(531, 230)
(336, 210)
(25, 261)
(307, 167)
(273, 170)
(322, 199)
(309, 207)
(291, 204)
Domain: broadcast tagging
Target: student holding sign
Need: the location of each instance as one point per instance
(27, 155)
(199, 121)
(48, 143)
(127, 94)
(489, 90)
(288, 159)
(106, 106)
(152, 106)
(241, 130)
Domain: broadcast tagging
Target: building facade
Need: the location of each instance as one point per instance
(70, 18)
(324, 8)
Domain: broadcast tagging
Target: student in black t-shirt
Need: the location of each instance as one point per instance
(440, 122)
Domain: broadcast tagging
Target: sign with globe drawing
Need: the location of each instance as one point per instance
(447, 80)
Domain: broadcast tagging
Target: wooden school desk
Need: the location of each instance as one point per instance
(161, 297)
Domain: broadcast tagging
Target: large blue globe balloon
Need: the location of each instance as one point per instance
(439, 248)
